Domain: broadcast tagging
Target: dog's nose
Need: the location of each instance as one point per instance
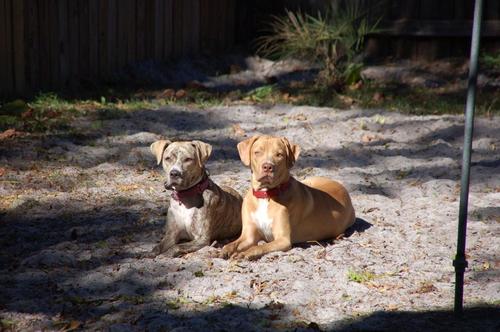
(267, 168)
(175, 173)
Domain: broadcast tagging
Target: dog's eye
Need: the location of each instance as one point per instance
(168, 158)
(188, 160)
(257, 153)
(279, 155)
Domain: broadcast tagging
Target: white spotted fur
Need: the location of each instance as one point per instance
(262, 220)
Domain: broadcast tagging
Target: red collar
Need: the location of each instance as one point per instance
(198, 188)
(270, 193)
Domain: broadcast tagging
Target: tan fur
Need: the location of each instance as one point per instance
(202, 218)
(316, 209)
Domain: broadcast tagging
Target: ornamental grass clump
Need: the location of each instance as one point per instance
(333, 40)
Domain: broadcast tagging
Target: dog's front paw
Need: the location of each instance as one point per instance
(149, 254)
(162, 247)
(251, 254)
(228, 250)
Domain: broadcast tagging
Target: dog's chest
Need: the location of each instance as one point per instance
(261, 218)
(184, 218)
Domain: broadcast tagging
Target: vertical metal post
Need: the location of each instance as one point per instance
(460, 263)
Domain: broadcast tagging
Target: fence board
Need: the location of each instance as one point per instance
(141, 29)
(177, 44)
(190, 26)
(230, 23)
(94, 38)
(102, 39)
(53, 40)
(62, 33)
(158, 30)
(18, 45)
(5, 79)
(84, 58)
(74, 45)
(44, 47)
(130, 18)
(205, 35)
(112, 61)
(220, 26)
(168, 28)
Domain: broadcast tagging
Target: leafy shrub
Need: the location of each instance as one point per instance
(332, 40)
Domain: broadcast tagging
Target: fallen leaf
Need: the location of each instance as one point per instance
(378, 97)
(179, 94)
(299, 117)
(296, 84)
(71, 326)
(234, 69)
(238, 131)
(392, 307)
(2, 171)
(9, 133)
(356, 86)
(167, 93)
(195, 85)
(128, 187)
(346, 100)
(426, 287)
(367, 138)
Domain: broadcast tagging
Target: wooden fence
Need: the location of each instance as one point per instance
(419, 29)
(58, 44)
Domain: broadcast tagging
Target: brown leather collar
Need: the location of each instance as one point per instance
(198, 188)
(270, 193)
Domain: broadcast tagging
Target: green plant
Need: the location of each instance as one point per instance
(261, 93)
(360, 277)
(333, 40)
(491, 61)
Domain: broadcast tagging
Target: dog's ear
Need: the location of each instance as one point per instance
(244, 148)
(158, 147)
(292, 152)
(203, 151)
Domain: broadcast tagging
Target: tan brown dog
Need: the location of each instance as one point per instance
(200, 211)
(282, 210)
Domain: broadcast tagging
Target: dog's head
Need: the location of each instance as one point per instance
(270, 159)
(184, 162)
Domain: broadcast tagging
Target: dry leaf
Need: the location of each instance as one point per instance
(369, 210)
(426, 287)
(71, 326)
(128, 187)
(9, 133)
(367, 138)
(195, 85)
(238, 131)
(378, 97)
(346, 100)
(2, 171)
(356, 86)
(299, 117)
(234, 69)
(180, 94)
(167, 93)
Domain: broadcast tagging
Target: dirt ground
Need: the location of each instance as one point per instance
(78, 208)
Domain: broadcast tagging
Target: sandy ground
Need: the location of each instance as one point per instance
(78, 209)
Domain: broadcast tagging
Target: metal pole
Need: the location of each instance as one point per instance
(460, 263)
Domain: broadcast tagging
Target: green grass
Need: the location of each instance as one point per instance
(360, 276)
(490, 61)
(50, 112)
